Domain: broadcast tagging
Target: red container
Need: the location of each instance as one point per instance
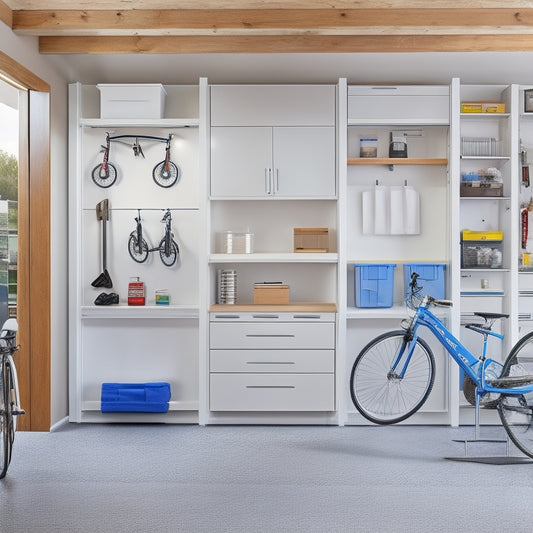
(136, 292)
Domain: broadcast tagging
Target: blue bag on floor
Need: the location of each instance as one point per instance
(135, 397)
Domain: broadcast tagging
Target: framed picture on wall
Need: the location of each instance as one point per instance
(528, 101)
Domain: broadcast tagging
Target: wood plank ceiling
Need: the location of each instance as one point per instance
(262, 26)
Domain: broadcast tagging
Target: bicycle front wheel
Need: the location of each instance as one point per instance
(378, 390)
(7, 427)
(104, 176)
(166, 177)
(516, 411)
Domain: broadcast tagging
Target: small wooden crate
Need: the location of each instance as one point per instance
(270, 294)
(311, 240)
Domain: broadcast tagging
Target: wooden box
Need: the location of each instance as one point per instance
(311, 240)
(271, 294)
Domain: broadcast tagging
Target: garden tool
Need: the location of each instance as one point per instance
(102, 214)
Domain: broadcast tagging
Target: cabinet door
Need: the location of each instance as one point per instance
(304, 161)
(241, 161)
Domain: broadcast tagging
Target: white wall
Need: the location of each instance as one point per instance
(25, 51)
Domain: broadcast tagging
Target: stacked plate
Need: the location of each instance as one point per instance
(226, 286)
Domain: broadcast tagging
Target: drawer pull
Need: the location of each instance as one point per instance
(270, 363)
(265, 316)
(270, 387)
(227, 316)
(265, 335)
(314, 317)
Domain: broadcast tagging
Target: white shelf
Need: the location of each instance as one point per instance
(289, 257)
(141, 123)
(484, 116)
(139, 311)
(444, 121)
(485, 157)
(395, 312)
(172, 406)
(478, 198)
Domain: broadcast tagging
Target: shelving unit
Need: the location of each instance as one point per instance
(273, 168)
(122, 343)
(375, 112)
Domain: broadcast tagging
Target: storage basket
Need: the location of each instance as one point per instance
(374, 284)
(430, 279)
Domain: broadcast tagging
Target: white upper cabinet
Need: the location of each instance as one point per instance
(272, 141)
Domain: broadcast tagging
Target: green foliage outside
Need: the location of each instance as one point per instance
(9, 169)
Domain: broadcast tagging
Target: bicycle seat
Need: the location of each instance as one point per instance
(491, 316)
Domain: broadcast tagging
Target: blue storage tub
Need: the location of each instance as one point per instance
(431, 278)
(374, 284)
(135, 397)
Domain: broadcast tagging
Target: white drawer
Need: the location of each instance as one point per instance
(487, 304)
(288, 361)
(272, 392)
(317, 336)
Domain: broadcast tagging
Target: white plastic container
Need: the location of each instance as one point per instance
(132, 100)
(232, 242)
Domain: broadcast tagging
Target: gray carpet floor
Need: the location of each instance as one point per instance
(162, 478)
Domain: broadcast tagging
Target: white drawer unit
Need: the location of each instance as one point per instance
(272, 392)
(272, 362)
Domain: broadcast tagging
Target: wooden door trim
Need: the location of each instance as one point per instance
(33, 270)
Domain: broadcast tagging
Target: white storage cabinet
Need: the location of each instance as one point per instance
(273, 141)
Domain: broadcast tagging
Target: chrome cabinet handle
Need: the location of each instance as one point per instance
(270, 363)
(270, 387)
(266, 335)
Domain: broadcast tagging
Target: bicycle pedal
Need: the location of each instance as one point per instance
(18, 411)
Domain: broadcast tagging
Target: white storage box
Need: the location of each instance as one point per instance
(132, 100)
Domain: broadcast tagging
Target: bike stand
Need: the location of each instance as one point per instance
(506, 459)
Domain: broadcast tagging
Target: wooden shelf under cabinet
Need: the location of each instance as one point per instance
(397, 161)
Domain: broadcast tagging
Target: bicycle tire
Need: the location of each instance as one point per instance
(516, 411)
(381, 397)
(104, 180)
(7, 428)
(166, 179)
(139, 255)
(170, 259)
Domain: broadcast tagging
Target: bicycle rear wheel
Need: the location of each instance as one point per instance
(378, 392)
(7, 427)
(516, 412)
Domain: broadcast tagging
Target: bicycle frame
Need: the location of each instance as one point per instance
(473, 366)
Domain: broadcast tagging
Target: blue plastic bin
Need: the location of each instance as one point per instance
(431, 278)
(135, 397)
(374, 284)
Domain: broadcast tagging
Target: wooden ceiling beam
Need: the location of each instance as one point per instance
(330, 21)
(282, 44)
(6, 14)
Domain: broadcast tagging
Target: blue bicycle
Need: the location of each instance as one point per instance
(393, 375)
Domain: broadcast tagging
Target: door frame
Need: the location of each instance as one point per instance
(33, 269)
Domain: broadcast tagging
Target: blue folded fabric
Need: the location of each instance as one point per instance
(135, 397)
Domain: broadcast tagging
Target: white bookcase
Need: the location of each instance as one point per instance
(121, 343)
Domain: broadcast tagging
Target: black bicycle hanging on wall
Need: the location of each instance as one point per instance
(168, 248)
(165, 174)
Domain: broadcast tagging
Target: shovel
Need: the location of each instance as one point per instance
(102, 213)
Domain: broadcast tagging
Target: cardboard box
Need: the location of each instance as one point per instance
(132, 100)
(311, 240)
(271, 294)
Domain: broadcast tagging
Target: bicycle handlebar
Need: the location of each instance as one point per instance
(439, 303)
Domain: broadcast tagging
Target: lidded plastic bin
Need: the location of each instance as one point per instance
(374, 284)
(430, 278)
